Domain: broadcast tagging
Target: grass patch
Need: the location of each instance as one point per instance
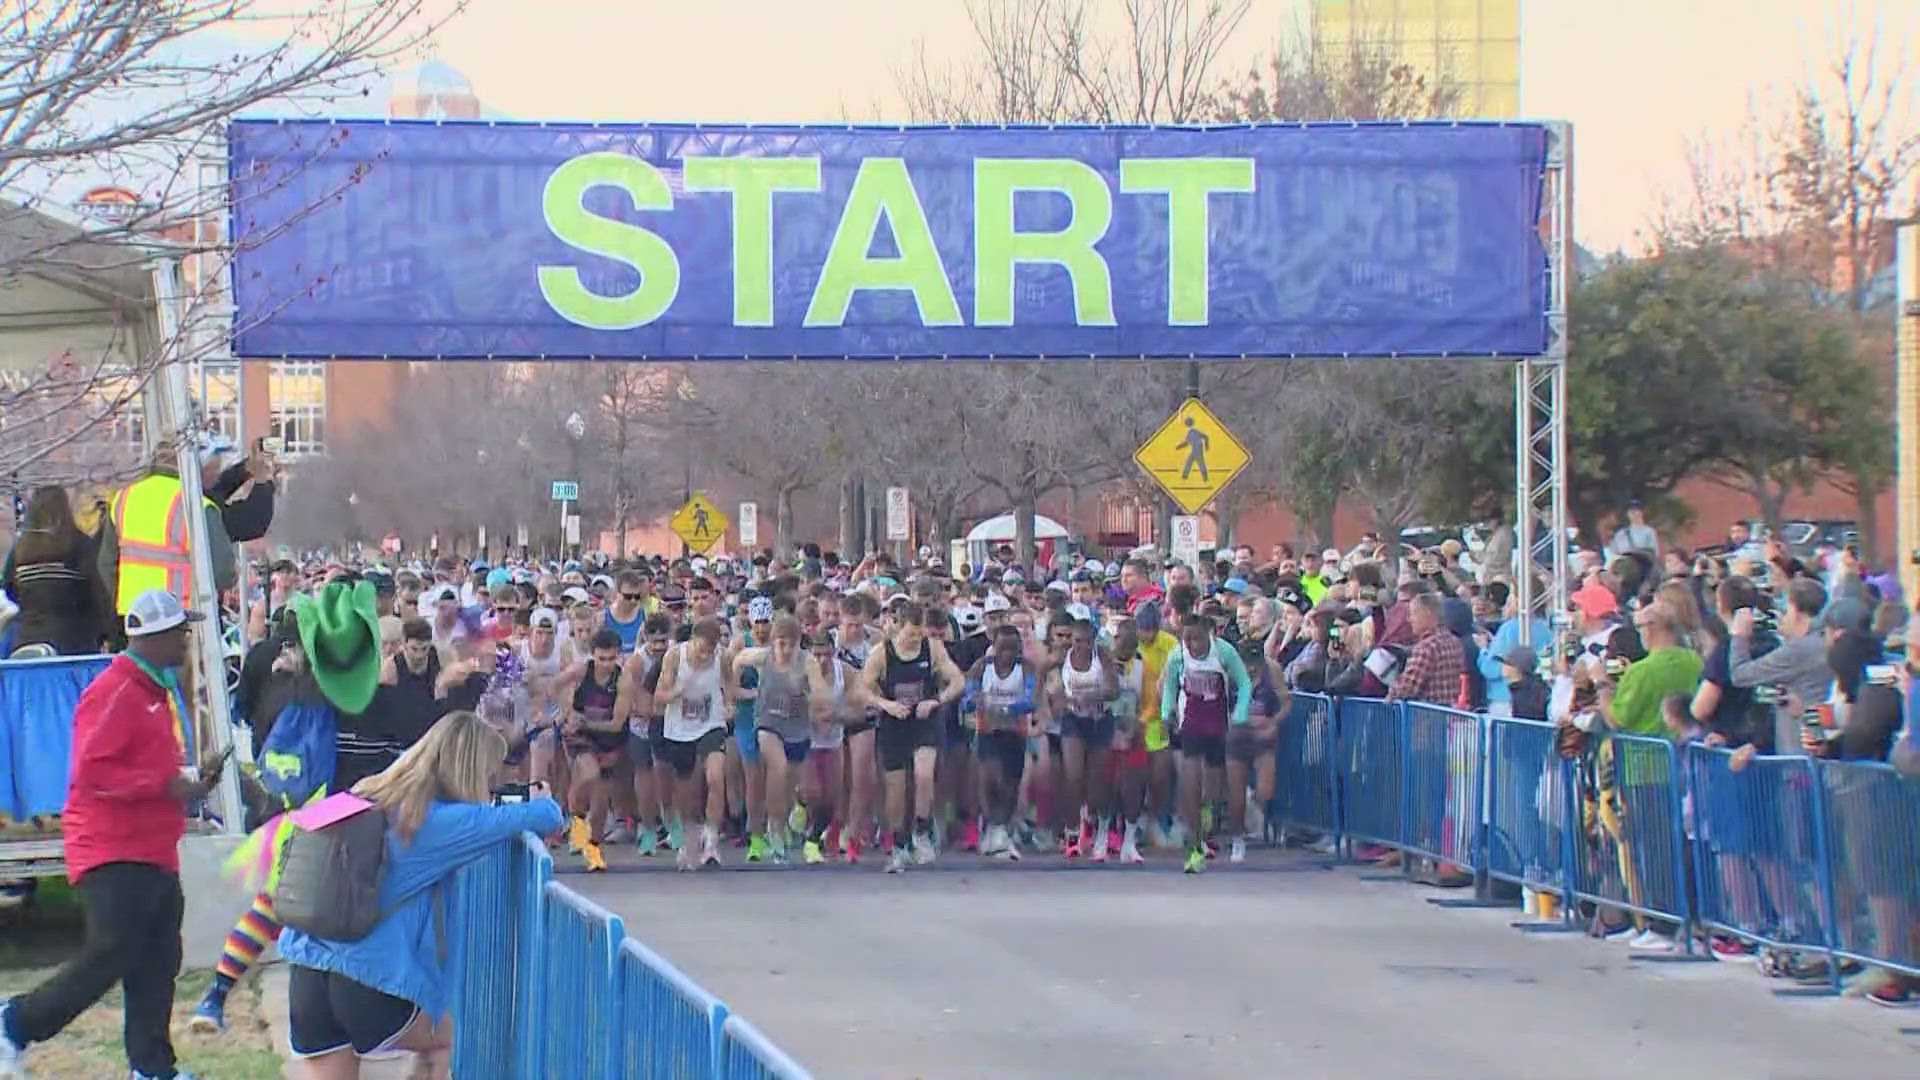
(91, 1047)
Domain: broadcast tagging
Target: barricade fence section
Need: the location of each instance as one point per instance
(1814, 856)
(748, 1055)
(526, 942)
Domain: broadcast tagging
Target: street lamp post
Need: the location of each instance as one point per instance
(576, 431)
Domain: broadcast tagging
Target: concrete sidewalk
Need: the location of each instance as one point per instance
(273, 1006)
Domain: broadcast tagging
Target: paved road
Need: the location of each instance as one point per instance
(1281, 968)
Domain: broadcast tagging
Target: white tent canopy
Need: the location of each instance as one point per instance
(999, 530)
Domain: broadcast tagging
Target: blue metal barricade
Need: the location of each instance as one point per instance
(1528, 794)
(745, 1054)
(486, 944)
(1759, 859)
(1304, 787)
(670, 1029)
(1370, 756)
(1444, 774)
(1634, 852)
(37, 698)
(532, 870)
(1872, 819)
(581, 940)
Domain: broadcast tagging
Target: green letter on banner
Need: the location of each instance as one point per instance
(752, 182)
(997, 249)
(1186, 182)
(882, 188)
(578, 227)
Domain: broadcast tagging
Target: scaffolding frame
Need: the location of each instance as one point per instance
(1540, 411)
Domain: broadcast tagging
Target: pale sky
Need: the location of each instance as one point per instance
(1636, 77)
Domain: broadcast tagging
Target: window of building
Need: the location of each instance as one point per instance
(297, 406)
(216, 384)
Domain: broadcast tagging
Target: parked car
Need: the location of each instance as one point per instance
(1805, 537)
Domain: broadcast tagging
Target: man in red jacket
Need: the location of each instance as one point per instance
(127, 794)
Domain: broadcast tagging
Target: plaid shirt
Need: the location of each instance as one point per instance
(1433, 670)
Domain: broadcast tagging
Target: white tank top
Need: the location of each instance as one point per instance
(827, 734)
(1084, 688)
(545, 669)
(1132, 678)
(998, 694)
(700, 708)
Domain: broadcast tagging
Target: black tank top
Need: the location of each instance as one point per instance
(908, 681)
(410, 705)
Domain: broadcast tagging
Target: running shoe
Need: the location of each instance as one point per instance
(178, 1074)
(1130, 847)
(1196, 861)
(620, 833)
(1891, 995)
(1213, 847)
(1070, 845)
(1099, 852)
(757, 848)
(710, 848)
(683, 858)
(648, 841)
(1010, 853)
(1649, 941)
(897, 862)
(578, 835)
(830, 840)
(1728, 946)
(925, 849)
(595, 859)
(1114, 835)
(995, 841)
(1156, 834)
(13, 1059)
(676, 833)
(209, 1018)
(777, 848)
(970, 836)
(852, 850)
(1042, 842)
(810, 852)
(1176, 836)
(797, 818)
(1238, 853)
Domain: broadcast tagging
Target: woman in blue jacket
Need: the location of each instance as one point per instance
(392, 990)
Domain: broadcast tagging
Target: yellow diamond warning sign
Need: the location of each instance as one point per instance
(699, 523)
(1193, 456)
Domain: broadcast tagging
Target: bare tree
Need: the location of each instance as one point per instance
(1808, 186)
(134, 94)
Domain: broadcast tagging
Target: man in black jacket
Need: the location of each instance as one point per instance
(248, 516)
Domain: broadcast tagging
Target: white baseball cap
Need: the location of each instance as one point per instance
(157, 611)
(760, 609)
(1079, 613)
(997, 602)
(576, 595)
(1058, 586)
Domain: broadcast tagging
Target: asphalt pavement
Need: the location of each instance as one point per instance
(1285, 966)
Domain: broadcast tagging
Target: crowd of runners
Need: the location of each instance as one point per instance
(813, 712)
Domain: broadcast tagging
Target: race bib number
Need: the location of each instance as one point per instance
(909, 694)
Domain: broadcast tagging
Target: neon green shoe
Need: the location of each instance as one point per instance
(1197, 861)
(1206, 821)
(810, 851)
(797, 818)
(756, 848)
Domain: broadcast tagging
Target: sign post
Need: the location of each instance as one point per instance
(566, 493)
(699, 524)
(749, 525)
(1185, 547)
(1193, 456)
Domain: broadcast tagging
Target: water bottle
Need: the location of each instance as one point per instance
(1530, 890)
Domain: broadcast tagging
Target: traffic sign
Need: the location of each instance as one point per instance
(699, 523)
(1185, 548)
(566, 491)
(899, 514)
(749, 524)
(1193, 456)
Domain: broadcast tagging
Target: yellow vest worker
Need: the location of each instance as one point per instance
(150, 540)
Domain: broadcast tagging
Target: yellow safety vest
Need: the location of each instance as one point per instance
(152, 531)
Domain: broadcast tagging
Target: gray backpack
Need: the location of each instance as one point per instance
(330, 878)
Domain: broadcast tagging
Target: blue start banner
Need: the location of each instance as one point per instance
(653, 241)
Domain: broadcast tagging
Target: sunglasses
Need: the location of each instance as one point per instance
(632, 596)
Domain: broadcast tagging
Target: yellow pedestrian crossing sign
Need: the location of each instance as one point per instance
(1193, 456)
(699, 523)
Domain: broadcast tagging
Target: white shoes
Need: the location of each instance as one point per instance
(709, 846)
(897, 862)
(1238, 854)
(1130, 846)
(924, 850)
(996, 841)
(1649, 942)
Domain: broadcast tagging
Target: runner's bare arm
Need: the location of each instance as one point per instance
(819, 692)
(952, 682)
(668, 688)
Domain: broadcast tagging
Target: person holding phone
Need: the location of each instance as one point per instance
(126, 810)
